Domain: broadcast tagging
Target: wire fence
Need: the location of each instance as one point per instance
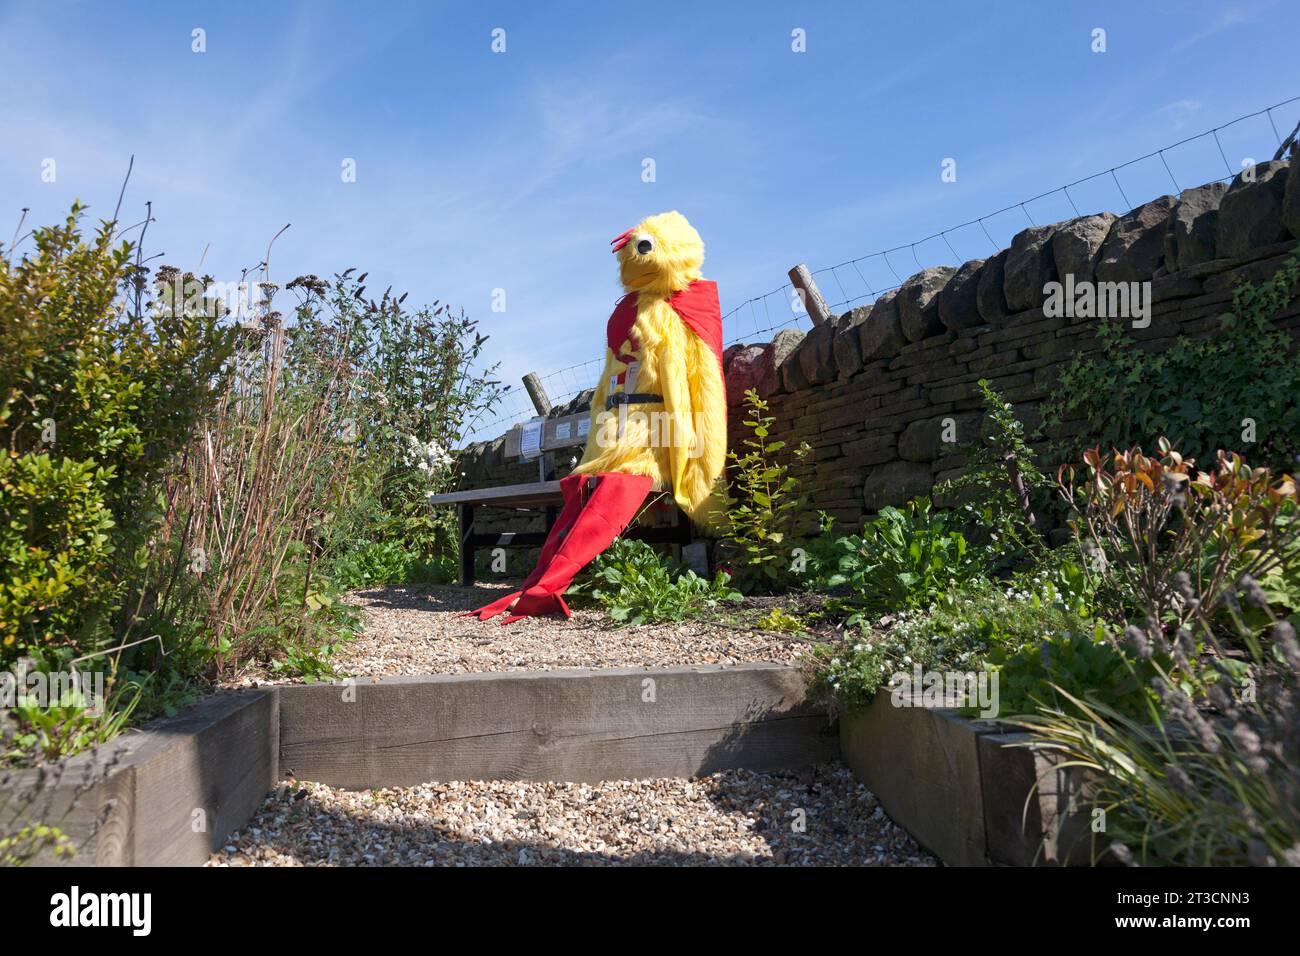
(861, 280)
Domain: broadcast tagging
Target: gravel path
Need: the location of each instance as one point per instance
(821, 817)
(732, 818)
(419, 631)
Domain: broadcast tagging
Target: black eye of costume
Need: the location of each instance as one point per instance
(644, 246)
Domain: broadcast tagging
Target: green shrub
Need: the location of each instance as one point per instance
(1206, 777)
(636, 586)
(306, 478)
(96, 399)
(1157, 532)
(962, 632)
(1204, 394)
(380, 563)
(1083, 664)
(780, 621)
(422, 390)
(999, 487)
(55, 545)
(50, 730)
(905, 558)
(760, 505)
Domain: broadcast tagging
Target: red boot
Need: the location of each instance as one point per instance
(571, 487)
(609, 509)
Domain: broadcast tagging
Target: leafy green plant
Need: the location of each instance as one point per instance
(308, 664)
(1232, 390)
(55, 546)
(635, 586)
(1203, 772)
(387, 563)
(1078, 664)
(904, 558)
(168, 687)
(1058, 577)
(999, 486)
(423, 388)
(1206, 778)
(760, 504)
(49, 730)
(780, 621)
(964, 630)
(313, 470)
(26, 842)
(628, 558)
(96, 399)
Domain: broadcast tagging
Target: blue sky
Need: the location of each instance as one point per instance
(479, 171)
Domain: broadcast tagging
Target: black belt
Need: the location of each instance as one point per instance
(631, 398)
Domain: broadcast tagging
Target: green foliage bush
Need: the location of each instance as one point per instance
(760, 503)
(50, 729)
(55, 547)
(171, 470)
(421, 390)
(999, 488)
(1207, 775)
(378, 563)
(905, 558)
(95, 401)
(324, 448)
(780, 621)
(961, 632)
(635, 585)
(1200, 392)
(1083, 663)
(1188, 723)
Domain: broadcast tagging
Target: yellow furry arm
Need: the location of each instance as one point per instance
(696, 403)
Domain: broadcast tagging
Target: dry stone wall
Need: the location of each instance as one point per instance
(870, 391)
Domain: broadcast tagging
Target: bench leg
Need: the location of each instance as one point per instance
(467, 545)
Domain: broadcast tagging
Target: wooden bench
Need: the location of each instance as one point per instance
(544, 495)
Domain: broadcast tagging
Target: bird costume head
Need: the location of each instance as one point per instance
(659, 255)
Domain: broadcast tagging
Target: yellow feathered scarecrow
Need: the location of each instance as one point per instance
(658, 416)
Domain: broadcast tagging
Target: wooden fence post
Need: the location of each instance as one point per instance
(806, 286)
(541, 402)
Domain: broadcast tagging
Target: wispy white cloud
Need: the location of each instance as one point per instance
(1223, 19)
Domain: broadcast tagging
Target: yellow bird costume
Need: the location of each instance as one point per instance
(658, 415)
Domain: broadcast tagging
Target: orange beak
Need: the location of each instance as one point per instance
(621, 241)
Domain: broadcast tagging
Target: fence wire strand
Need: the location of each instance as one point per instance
(563, 385)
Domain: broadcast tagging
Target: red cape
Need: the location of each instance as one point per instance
(697, 305)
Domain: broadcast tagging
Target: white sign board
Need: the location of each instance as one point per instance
(530, 439)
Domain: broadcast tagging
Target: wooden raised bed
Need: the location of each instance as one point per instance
(578, 725)
(959, 786)
(178, 788)
(174, 791)
(170, 794)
